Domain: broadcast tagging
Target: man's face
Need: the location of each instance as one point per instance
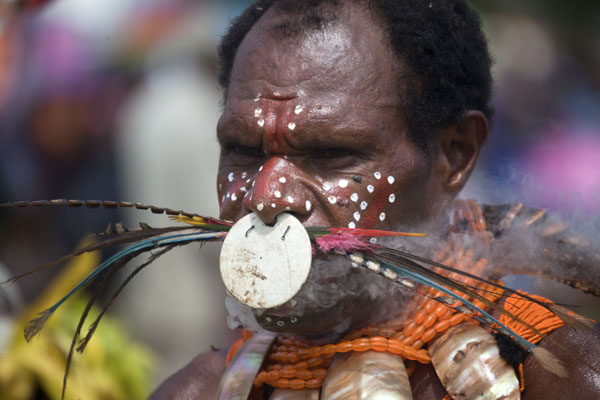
(313, 126)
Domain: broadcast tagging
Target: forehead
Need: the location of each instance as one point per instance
(346, 58)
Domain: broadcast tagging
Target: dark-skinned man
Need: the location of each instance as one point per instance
(360, 114)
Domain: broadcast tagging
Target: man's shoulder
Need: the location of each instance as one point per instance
(197, 380)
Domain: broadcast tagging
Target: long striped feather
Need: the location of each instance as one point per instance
(544, 357)
(36, 325)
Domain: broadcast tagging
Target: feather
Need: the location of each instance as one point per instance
(83, 343)
(203, 222)
(102, 203)
(570, 318)
(319, 230)
(550, 362)
(36, 324)
(549, 306)
(125, 237)
(139, 248)
(416, 275)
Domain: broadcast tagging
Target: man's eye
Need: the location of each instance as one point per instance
(332, 153)
(246, 151)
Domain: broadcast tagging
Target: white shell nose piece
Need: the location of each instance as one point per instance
(265, 266)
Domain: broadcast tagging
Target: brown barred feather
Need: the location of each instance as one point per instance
(123, 238)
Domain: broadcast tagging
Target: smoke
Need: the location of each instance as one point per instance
(335, 298)
(338, 297)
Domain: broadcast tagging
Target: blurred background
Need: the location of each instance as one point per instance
(117, 100)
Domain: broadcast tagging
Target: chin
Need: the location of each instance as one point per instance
(335, 298)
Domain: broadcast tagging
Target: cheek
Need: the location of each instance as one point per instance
(232, 189)
(367, 204)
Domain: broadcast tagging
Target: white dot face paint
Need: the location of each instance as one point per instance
(282, 180)
(352, 225)
(354, 197)
(230, 177)
(370, 189)
(332, 199)
(261, 122)
(392, 198)
(364, 205)
(244, 175)
(373, 240)
(273, 205)
(243, 189)
(260, 206)
(357, 216)
(391, 179)
(257, 112)
(343, 183)
(377, 175)
(260, 168)
(290, 199)
(382, 217)
(220, 186)
(234, 197)
(308, 205)
(298, 109)
(228, 195)
(326, 186)
(292, 126)
(277, 194)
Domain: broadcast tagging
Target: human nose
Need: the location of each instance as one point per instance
(279, 188)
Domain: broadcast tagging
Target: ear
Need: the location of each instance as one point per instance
(460, 147)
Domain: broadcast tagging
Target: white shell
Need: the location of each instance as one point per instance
(368, 375)
(260, 267)
(292, 394)
(467, 361)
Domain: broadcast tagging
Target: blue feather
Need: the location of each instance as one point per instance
(428, 282)
(36, 325)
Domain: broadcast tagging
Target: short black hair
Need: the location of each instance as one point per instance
(441, 42)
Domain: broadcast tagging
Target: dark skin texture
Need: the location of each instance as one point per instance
(321, 110)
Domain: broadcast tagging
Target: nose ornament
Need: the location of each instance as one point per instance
(264, 266)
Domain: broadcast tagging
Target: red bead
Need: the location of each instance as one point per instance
(297, 384)
(379, 343)
(361, 344)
